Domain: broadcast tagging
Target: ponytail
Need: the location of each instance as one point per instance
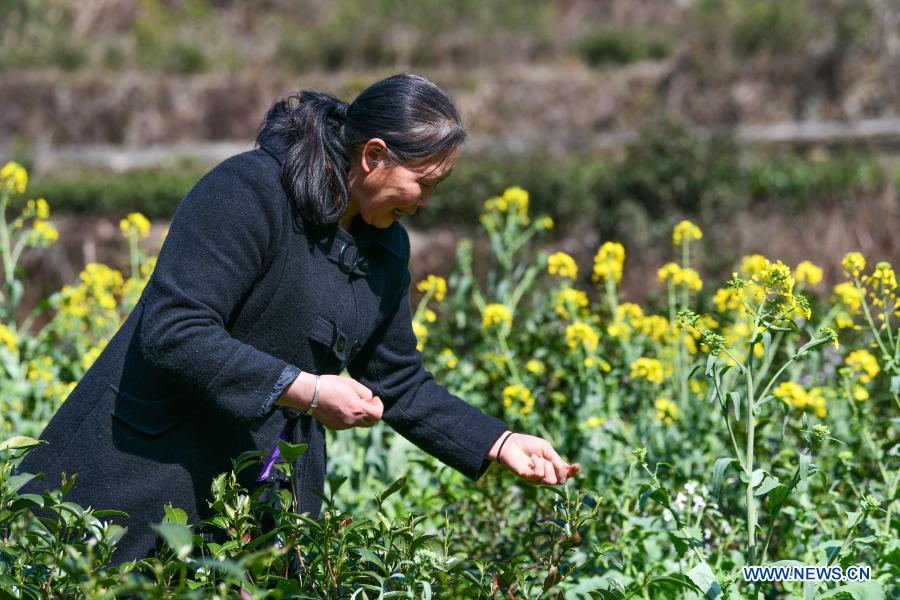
(306, 129)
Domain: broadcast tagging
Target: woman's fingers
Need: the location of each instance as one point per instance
(375, 407)
(561, 469)
(549, 476)
(534, 459)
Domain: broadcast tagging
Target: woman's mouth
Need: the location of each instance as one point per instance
(400, 213)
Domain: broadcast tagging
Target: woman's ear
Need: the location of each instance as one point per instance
(374, 154)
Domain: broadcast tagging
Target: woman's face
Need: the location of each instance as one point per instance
(382, 193)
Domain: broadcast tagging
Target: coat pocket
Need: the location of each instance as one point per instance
(152, 417)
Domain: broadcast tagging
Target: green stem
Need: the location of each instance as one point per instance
(8, 265)
(751, 430)
(724, 406)
(510, 358)
(776, 375)
(868, 315)
(611, 296)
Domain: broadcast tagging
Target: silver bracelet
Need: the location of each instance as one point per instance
(315, 398)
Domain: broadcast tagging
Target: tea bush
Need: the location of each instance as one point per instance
(750, 424)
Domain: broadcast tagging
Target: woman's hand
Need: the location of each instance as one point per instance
(343, 401)
(533, 459)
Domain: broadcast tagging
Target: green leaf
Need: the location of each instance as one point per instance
(174, 515)
(108, 513)
(336, 484)
(20, 442)
(719, 475)
(711, 365)
(805, 460)
(736, 403)
(777, 496)
(291, 452)
(702, 576)
(178, 537)
(696, 368)
(17, 481)
(391, 489)
(768, 484)
(368, 555)
(858, 590)
(895, 384)
(659, 495)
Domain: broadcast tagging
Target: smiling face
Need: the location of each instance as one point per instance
(382, 193)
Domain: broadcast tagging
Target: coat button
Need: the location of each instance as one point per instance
(340, 344)
(362, 263)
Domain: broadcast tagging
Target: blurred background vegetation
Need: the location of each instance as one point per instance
(621, 117)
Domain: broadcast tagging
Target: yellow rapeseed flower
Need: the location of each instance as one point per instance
(853, 263)
(89, 357)
(496, 315)
(668, 271)
(37, 208)
(518, 396)
(647, 368)
(726, 299)
(655, 327)
(608, 262)
(8, 338)
(535, 366)
(137, 223)
(849, 296)
(562, 265)
(582, 334)
(862, 362)
(685, 231)
(679, 276)
(59, 391)
(430, 315)
(14, 177)
(795, 395)
(666, 410)
(570, 298)
(513, 200)
(843, 320)
(592, 422)
(776, 277)
(421, 332)
(545, 223)
(42, 233)
(448, 358)
(807, 272)
(817, 401)
(629, 311)
(883, 281)
(753, 264)
(40, 369)
(435, 285)
(860, 393)
(691, 279)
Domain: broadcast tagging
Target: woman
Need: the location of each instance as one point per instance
(283, 266)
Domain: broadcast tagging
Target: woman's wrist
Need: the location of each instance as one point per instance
(300, 393)
(494, 452)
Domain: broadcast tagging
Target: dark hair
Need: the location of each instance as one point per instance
(315, 133)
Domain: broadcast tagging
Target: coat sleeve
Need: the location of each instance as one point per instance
(424, 412)
(217, 248)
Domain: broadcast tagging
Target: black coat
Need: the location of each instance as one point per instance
(243, 288)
